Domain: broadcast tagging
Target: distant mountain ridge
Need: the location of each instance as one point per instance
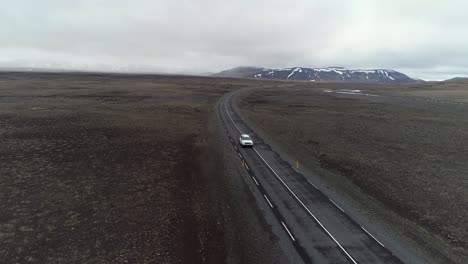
(458, 79)
(240, 72)
(320, 74)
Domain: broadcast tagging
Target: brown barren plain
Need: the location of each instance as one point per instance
(404, 146)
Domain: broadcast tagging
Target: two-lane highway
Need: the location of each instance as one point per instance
(319, 229)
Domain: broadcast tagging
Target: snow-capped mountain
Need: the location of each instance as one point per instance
(320, 74)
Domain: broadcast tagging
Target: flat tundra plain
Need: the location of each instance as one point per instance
(99, 168)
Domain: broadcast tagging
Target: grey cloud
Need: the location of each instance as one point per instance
(427, 39)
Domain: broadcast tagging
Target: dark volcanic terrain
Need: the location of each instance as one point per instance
(108, 168)
(99, 168)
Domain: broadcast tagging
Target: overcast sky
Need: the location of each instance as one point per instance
(424, 38)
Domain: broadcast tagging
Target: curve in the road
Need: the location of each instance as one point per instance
(368, 253)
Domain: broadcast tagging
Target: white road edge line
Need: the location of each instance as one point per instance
(247, 167)
(227, 112)
(297, 198)
(295, 169)
(336, 205)
(256, 182)
(287, 230)
(372, 236)
(281, 157)
(266, 198)
(240, 156)
(312, 184)
(307, 209)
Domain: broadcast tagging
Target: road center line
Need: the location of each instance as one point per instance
(307, 209)
(256, 182)
(266, 198)
(287, 230)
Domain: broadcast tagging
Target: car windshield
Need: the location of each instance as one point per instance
(246, 137)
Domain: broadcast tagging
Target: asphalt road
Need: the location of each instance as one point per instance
(319, 230)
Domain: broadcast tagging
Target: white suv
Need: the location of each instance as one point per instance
(245, 141)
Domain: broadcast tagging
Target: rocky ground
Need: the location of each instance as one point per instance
(107, 168)
(99, 168)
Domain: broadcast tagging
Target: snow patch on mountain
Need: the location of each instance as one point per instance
(321, 74)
